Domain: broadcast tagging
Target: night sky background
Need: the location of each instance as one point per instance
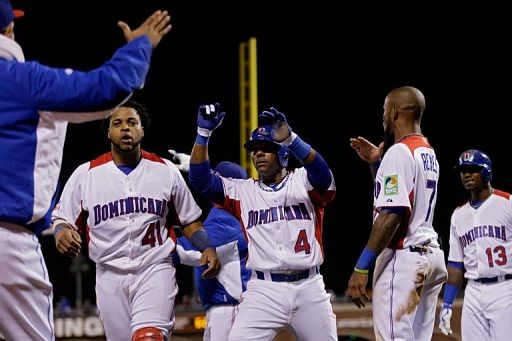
(328, 66)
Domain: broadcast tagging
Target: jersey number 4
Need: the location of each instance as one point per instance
(302, 243)
(501, 256)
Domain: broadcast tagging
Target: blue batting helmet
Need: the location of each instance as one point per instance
(263, 135)
(474, 157)
(230, 169)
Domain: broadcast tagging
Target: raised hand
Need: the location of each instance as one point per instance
(181, 160)
(280, 128)
(366, 150)
(156, 26)
(209, 117)
(444, 319)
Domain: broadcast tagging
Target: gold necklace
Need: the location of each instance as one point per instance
(409, 135)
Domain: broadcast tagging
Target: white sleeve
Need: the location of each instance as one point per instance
(69, 206)
(187, 209)
(456, 254)
(395, 178)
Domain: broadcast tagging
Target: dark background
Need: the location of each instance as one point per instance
(328, 66)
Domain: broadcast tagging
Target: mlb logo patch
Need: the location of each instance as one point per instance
(391, 185)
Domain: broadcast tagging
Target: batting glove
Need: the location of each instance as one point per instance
(181, 160)
(444, 319)
(280, 128)
(209, 117)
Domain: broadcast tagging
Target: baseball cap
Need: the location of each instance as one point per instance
(229, 169)
(8, 14)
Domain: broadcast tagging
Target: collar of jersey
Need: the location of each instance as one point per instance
(274, 187)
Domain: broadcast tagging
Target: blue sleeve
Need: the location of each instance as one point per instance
(456, 265)
(207, 184)
(319, 174)
(54, 89)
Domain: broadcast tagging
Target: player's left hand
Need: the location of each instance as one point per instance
(181, 160)
(209, 258)
(357, 289)
(209, 117)
(280, 128)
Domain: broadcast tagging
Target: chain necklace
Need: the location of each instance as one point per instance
(409, 135)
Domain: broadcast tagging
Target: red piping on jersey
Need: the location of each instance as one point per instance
(397, 242)
(81, 222)
(319, 202)
(415, 141)
(502, 194)
(107, 157)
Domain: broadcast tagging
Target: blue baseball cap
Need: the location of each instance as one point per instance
(8, 14)
(229, 169)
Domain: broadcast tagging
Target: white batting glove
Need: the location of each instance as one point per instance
(444, 320)
(181, 160)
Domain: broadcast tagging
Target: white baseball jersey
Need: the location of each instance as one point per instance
(481, 237)
(408, 177)
(127, 216)
(283, 224)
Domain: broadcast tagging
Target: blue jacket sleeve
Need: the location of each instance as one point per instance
(205, 182)
(319, 174)
(53, 89)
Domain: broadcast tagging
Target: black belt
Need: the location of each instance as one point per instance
(285, 277)
(493, 279)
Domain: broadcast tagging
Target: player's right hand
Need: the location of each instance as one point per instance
(367, 150)
(209, 117)
(444, 319)
(156, 26)
(68, 242)
(357, 289)
(209, 258)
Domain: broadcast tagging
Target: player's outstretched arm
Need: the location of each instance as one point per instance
(155, 27)
(368, 152)
(67, 240)
(199, 238)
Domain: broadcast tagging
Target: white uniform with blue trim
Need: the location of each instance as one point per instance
(283, 226)
(406, 280)
(481, 238)
(128, 217)
(36, 104)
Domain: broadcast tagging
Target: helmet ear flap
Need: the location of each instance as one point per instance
(283, 156)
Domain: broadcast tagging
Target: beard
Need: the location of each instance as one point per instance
(389, 140)
(126, 148)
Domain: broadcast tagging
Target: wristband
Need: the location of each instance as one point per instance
(298, 147)
(366, 259)
(202, 140)
(200, 240)
(450, 291)
(361, 271)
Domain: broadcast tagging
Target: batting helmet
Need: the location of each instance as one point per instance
(263, 134)
(474, 157)
(230, 169)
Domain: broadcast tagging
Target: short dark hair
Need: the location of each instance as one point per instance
(145, 119)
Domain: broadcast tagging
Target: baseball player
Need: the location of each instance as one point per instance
(221, 295)
(480, 245)
(409, 269)
(126, 200)
(36, 104)
(281, 215)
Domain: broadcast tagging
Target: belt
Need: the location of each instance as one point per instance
(494, 279)
(423, 247)
(286, 277)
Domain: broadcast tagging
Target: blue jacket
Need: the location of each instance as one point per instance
(224, 231)
(36, 104)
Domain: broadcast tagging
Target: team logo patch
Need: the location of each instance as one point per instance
(391, 185)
